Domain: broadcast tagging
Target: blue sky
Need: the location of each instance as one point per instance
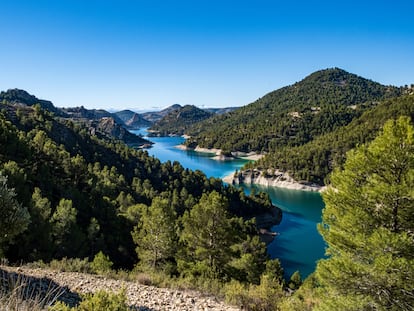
(150, 54)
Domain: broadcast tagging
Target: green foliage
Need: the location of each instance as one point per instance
(14, 218)
(314, 160)
(263, 297)
(177, 121)
(251, 260)
(98, 301)
(101, 263)
(155, 234)
(70, 265)
(207, 236)
(295, 280)
(292, 115)
(86, 193)
(368, 224)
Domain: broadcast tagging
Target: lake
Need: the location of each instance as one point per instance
(299, 244)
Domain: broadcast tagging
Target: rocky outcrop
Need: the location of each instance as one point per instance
(265, 221)
(17, 96)
(140, 297)
(131, 119)
(271, 178)
(108, 126)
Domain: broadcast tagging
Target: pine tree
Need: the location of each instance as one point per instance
(155, 234)
(14, 218)
(368, 224)
(207, 236)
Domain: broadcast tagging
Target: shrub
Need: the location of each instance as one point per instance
(99, 301)
(101, 263)
(71, 265)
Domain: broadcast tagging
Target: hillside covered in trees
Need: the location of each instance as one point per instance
(293, 115)
(65, 193)
(177, 121)
(82, 194)
(315, 160)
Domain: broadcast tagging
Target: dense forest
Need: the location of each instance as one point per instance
(368, 227)
(293, 115)
(82, 194)
(69, 192)
(177, 121)
(315, 160)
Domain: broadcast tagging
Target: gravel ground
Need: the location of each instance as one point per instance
(140, 297)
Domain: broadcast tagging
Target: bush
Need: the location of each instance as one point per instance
(101, 263)
(71, 265)
(99, 301)
(236, 293)
(264, 297)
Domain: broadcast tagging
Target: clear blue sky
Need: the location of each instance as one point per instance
(145, 54)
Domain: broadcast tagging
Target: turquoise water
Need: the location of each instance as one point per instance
(164, 148)
(299, 244)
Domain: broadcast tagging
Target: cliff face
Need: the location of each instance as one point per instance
(109, 127)
(272, 179)
(265, 222)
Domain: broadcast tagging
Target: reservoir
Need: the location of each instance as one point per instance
(299, 244)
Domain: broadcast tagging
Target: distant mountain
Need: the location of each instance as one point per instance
(108, 126)
(155, 116)
(83, 192)
(132, 120)
(90, 114)
(17, 96)
(221, 110)
(177, 121)
(96, 121)
(292, 115)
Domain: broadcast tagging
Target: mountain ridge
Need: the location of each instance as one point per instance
(178, 120)
(292, 115)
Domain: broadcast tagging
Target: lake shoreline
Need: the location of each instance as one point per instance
(255, 177)
(251, 156)
(277, 179)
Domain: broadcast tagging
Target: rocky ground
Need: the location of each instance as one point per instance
(68, 286)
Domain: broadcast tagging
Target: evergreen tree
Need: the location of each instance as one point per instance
(368, 224)
(207, 236)
(66, 233)
(14, 218)
(155, 234)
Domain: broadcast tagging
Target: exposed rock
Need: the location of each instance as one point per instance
(132, 120)
(17, 96)
(109, 127)
(265, 221)
(272, 179)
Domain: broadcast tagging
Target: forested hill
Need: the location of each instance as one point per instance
(177, 121)
(154, 116)
(293, 115)
(79, 194)
(96, 121)
(132, 120)
(17, 96)
(315, 160)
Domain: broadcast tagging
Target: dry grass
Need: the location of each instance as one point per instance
(19, 292)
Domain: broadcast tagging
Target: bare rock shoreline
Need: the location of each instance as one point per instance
(218, 154)
(271, 179)
(267, 178)
(139, 297)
